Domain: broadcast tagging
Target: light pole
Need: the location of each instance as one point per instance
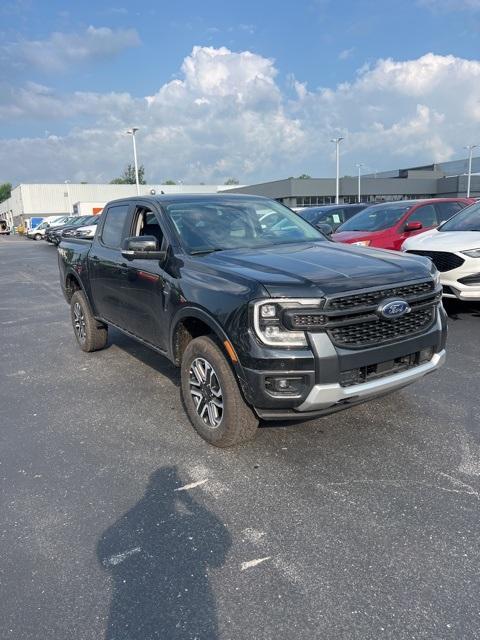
(470, 148)
(132, 132)
(66, 183)
(337, 180)
(359, 166)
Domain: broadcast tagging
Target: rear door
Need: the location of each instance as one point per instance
(107, 267)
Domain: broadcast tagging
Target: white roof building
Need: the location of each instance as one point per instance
(43, 200)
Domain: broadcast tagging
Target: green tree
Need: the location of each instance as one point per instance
(231, 181)
(5, 191)
(304, 176)
(128, 175)
(169, 182)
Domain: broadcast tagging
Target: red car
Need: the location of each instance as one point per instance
(387, 225)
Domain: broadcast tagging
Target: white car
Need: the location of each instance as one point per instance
(85, 232)
(454, 248)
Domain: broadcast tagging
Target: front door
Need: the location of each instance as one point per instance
(147, 286)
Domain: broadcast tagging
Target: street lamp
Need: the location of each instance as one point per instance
(132, 132)
(337, 180)
(66, 183)
(359, 166)
(470, 148)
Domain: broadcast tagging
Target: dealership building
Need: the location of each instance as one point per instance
(444, 180)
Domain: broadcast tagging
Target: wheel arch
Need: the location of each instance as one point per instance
(192, 322)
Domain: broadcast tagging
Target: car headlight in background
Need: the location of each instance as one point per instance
(362, 243)
(471, 253)
(267, 321)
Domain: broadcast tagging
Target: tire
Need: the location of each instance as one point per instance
(37, 236)
(224, 419)
(90, 334)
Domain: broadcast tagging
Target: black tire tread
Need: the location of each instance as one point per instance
(96, 334)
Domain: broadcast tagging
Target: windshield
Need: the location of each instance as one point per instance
(232, 224)
(466, 220)
(376, 218)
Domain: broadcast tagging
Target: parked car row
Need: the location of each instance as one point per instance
(65, 226)
(446, 230)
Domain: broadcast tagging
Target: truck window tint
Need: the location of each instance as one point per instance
(112, 232)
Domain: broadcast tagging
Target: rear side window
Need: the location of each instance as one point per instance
(112, 232)
(448, 209)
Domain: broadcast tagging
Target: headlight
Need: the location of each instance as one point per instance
(472, 253)
(362, 243)
(435, 273)
(267, 321)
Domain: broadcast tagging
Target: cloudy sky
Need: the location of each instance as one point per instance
(251, 90)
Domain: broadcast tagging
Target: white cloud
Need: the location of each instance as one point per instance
(226, 114)
(61, 50)
(346, 53)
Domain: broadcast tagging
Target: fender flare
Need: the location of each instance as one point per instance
(72, 273)
(215, 326)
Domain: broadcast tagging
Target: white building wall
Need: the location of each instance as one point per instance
(54, 199)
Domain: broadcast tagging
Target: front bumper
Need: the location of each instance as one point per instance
(323, 396)
(324, 367)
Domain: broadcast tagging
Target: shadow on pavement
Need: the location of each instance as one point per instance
(158, 554)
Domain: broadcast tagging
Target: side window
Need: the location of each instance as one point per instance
(146, 224)
(426, 215)
(112, 232)
(447, 209)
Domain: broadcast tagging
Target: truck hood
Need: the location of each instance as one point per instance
(313, 269)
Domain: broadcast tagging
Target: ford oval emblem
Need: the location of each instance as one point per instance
(394, 309)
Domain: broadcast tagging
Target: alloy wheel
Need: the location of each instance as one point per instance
(79, 322)
(206, 392)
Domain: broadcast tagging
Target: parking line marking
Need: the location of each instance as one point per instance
(191, 485)
(253, 563)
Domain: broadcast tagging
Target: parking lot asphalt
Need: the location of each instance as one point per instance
(364, 524)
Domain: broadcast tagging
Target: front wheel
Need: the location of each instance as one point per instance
(90, 334)
(212, 397)
(37, 236)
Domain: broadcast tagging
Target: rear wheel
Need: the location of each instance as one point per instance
(91, 335)
(212, 398)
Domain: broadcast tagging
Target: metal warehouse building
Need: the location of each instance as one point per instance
(43, 200)
(430, 181)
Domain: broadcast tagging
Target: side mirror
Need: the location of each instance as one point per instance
(325, 228)
(413, 226)
(142, 248)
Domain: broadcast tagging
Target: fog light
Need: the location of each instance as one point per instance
(426, 355)
(292, 386)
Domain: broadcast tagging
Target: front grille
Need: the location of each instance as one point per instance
(375, 297)
(443, 260)
(380, 331)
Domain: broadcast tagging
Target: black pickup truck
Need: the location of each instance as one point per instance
(267, 318)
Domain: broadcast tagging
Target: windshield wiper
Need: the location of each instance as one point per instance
(198, 252)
